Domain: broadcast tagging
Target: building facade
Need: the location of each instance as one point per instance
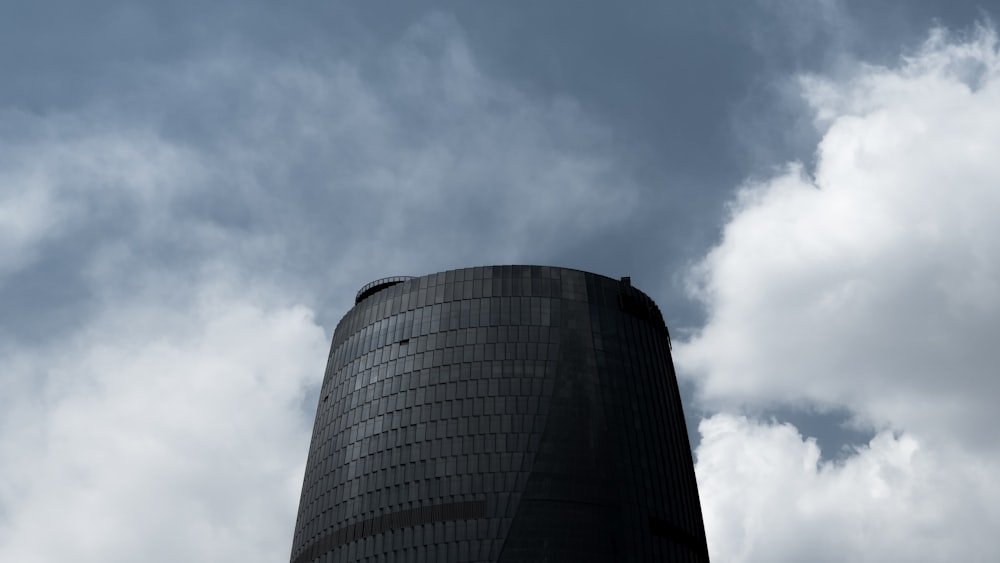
(504, 413)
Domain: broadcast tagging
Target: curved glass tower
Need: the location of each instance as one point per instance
(504, 413)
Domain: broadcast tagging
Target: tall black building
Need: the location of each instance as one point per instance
(504, 413)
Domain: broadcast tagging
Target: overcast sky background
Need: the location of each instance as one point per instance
(191, 193)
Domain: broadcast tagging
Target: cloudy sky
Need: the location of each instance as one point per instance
(191, 193)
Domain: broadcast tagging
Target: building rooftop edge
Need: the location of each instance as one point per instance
(379, 284)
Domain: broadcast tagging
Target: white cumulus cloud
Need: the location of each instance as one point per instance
(160, 433)
(871, 284)
(766, 496)
(874, 282)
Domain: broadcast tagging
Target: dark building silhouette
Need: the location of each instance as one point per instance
(504, 413)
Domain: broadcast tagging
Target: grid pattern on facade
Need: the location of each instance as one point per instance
(544, 396)
(393, 521)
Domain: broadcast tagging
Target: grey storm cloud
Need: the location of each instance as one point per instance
(193, 248)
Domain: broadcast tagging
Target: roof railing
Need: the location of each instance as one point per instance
(378, 285)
